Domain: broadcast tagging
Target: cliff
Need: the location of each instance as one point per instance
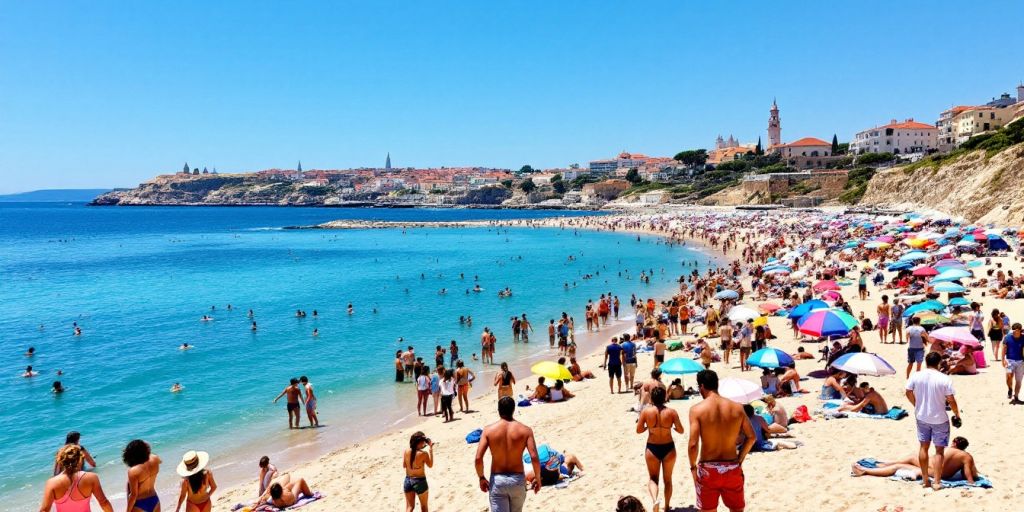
(977, 186)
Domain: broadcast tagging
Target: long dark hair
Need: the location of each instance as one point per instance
(195, 480)
(414, 445)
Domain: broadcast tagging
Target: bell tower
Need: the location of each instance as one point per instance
(774, 126)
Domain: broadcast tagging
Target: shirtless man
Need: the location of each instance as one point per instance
(284, 492)
(525, 327)
(956, 464)
(653, 382)
(506, 439)
(872, 403)
(294, 398)
(408, 361)
(314, 421)
(715, 424)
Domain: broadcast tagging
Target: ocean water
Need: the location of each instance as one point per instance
(137, 281)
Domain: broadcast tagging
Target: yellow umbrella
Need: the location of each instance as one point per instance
(761, 320)
(551, 370)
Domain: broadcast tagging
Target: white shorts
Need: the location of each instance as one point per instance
(1016, 368)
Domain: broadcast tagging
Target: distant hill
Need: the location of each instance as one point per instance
(64, 195)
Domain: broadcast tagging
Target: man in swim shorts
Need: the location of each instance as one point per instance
(715, 462)
(314, 421)
(507, 439)
(613, 362)
(294, 397)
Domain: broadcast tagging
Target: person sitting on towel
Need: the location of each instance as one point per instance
(957, 464)
(871, 403)
(554, 466)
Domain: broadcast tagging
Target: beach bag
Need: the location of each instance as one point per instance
(474, 436)
(801, 415)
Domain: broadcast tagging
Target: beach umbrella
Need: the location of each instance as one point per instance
(727, 295)
(878, 245)
(975, 264)
(769, 358)
(777, 271)
(807, 307)
(925, 271)
(914, 256)
(680, 366)
(899, 265)
(769, 307)
(928, 305)
(827, 322)
(932, 318)
(961, 335)
(947, 263)
(959, 301)
(949, 288)
(952, 274)
(551, 370)
(742, 314)
(967, 243)
(850, 244)
(863, 363)
(826, 284)
(831, 295)
(739, 390)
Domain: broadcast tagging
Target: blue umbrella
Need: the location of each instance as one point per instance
(900, 265)
(807, 307)
(769, 358)
(959, 301)
(928, 305)
(949, 288)
(727, 294)
(681, 365)
(914, 256)
(951, 274)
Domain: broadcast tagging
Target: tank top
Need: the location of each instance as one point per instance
(68, 503)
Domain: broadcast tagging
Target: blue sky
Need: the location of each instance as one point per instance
(111, 93)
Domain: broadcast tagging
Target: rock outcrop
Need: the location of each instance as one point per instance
(976, 187)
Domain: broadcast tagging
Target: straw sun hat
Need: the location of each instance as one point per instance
(193, 462)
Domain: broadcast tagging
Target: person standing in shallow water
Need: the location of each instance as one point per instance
(314, 420)
(294, 398)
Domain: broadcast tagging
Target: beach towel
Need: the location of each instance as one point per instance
(979, 480)
(474, 436)
(829, 409)
(564, 483)
(267, 507)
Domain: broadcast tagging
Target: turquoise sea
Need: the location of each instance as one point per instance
(138, 280)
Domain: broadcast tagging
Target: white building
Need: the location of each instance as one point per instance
(897, 138)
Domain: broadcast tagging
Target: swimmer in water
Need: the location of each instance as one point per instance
(185, 346)
(58, 388)
(205, 318)
(350, 309)
(78, 331)
(29, 372)
(250, 314)
(30, 352)
(253, 326)
(60, 372)
(176, 388)
(316, 332)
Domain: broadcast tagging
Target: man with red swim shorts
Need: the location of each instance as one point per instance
(715, 424)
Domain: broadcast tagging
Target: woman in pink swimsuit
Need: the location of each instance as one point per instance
(72, 489)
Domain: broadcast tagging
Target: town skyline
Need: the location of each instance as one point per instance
(491, 86)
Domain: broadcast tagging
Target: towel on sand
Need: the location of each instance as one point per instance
(267, 507)
(979, 480)
(829, 410)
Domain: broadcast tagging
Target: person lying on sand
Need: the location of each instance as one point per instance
(957, 464)
(554, 466)
(760, 426)
(284, 491)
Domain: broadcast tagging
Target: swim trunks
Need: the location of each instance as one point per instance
(293, 406)
(937, 434)
(719, 479)
(508, 492)
(614, 370)
(415, 484)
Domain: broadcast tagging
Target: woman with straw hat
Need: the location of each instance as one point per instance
(197, 484)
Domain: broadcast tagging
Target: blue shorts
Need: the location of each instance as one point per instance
(915, 355)
(937, 434)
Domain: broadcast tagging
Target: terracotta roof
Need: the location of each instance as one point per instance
(909, 125)
(808, 141)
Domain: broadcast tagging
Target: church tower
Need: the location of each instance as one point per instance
(774, 126)
(387, 162)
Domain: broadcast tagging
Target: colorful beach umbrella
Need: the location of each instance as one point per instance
(932, 318)
(551, 370)
(949, 288)
(958, 334)
(824, 285)
(827, 322)
(959, 301)
(877, 245)
(739, 390)
(681, 366)
(769, 358)
(807, 307)
(863, 363)
(928, 305)
(769, 307)
(727, 295)
(925, 271)
(952, 274)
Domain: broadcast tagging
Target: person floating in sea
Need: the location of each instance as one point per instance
(186, 346)
(316, 332)
(30, 352)
(253, 328)
(311, 415)
(58, 388)
(350, 309)
(29, 372)
(294, 398)
(177, 388)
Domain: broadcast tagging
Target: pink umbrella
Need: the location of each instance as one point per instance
(960, 335)
(831, 295)
(925, 271)
(827, 284)
(884, 238)
(769, 307)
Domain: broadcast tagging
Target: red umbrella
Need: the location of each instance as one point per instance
(769, 307)
(925, 271)
(827, 284)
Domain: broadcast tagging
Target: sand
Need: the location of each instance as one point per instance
(598, 427)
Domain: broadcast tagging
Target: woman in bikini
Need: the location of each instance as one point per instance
(995, 332)
(416, 460)
(659, 421)
(71, 490)
(884, 311)
(197, 484)
(143, 466)
(504, 380)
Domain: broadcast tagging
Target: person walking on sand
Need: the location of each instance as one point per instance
(72, 489)
(1013, 361)
(197, 483)
(416, 460)
(917, 339)
(504, 381)
(464, 378)
(929, 391)
(294, 398)
(715, 460)
(884, 313)
(506, 439)
(659, 422)
(613, 363)
(314, 421)
(143, 467)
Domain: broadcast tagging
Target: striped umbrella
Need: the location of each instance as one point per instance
(827, 322)
(769, 358)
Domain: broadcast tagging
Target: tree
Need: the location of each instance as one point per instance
(558, 185)
(759, 150)
(692, 158)
(633, 176)
(528, 185)
(507, 184)
(835, 144)
(526, 169)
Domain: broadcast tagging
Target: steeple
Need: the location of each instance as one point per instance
(186, 170)
(774, 126)
(387, 162)
(299, 169)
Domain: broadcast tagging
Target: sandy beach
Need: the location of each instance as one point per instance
(598, 427)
